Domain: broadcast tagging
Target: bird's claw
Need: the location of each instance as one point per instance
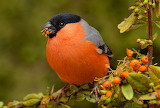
(62, 93)
(96, 91)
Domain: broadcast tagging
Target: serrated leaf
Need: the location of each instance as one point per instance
(157, 24)
(87, 93)
(156, 10)
(135, 26)
(71, 100)
(127, 91)
(157, 88)
(1, 104)
(116, 92)
(64, 99)
(154, 73)
(124, 25)
(102, 106)
(64, 106)
(32, 96)
(85, 86)
(155, 36)
(139, 81)
(91, 98)
(80, 97)
(137, 101)
(149, 96)
(128, 105)
(31, 102)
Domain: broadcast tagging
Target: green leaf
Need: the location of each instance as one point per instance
(157, 88)
(156, 10)
(157, 24)
(128, 105)
(1, 104)
(135, 26)
(127, 23)
(139, 81)
(91, 98)
(116, 92)
(154, 73)
(31, 102)
(136, 101)
(64, 106)
(33, 96)
(155, 36)
(80, 97)
(127, 91)
(64, 99)
(149, 96)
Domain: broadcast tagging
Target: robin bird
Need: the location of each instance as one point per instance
(75, 50)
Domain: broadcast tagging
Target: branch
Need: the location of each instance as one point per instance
(150, 36)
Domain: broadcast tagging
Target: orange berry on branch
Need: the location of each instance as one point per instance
(108, 94)
(129, 53)
(124, 74)
(107, 84)
(116, 80)
(158, 94)
(143, 68)
(135, 64)
(144, 59)
(9, 104)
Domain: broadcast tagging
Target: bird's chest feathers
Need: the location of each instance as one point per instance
(68, 44)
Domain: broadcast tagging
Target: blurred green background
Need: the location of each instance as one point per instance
(23, 66)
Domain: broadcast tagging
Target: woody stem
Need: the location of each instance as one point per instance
(150, 36)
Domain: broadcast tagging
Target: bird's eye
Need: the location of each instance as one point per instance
(61, 24)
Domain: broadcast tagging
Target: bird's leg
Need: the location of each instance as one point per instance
(95, 90)
(62, 92)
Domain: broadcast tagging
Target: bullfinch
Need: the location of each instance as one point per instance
(75, 50)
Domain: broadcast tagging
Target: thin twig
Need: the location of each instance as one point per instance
(150, 36)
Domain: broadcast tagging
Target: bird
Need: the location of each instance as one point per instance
(75, 50)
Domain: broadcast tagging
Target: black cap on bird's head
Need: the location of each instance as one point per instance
(57, 22)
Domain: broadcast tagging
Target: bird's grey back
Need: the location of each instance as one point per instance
(93, 35)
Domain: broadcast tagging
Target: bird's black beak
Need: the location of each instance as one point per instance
(48, 30)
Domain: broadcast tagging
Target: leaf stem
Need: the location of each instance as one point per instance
(150, 36)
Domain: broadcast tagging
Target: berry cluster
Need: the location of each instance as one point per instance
(108, 87)
(138, 64)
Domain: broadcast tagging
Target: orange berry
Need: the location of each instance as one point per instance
(135, 64)
(144, 59)
(158, 94)
(107, 84)
(143, 68)
(124, 74)
(9, 104)
(129, 53)
(116, 80)
(108, 94)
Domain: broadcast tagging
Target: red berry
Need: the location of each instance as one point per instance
(129, 53)
(144, 59)
(116, 80)
(108, 94)
(107, 84)
(158, 94)
(9, 104)
(124, 74)
(143, 68)
(135, 64)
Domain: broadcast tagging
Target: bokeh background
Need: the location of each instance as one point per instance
(23, 66)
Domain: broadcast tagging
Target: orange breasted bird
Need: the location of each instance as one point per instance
(75, 50)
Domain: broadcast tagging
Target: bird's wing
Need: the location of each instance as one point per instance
(93, 35)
